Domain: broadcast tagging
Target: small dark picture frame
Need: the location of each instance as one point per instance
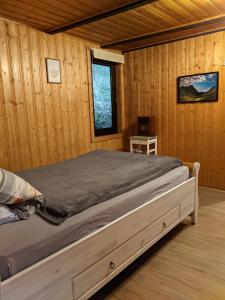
(53, 70)
(196, 88)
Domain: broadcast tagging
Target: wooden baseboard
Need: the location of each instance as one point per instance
(212, 189)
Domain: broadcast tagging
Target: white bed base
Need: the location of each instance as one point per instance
(81, 269)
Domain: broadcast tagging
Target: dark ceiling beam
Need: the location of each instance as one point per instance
(100, 16)
(202, 27)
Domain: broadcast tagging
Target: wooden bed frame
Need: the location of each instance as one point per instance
(82, 268)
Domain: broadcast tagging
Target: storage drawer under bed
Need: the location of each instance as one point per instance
(109, 265)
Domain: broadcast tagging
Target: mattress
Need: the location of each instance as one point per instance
(23, 243)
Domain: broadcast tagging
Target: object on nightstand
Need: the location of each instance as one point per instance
(145, 126)
(143, 144)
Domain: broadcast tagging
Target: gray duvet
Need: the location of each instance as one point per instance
(72, 186)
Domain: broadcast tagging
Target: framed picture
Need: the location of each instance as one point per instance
(198, 87)
(53, 70)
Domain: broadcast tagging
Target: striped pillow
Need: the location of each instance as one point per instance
(15, 190)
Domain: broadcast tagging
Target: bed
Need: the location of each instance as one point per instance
(75, 259)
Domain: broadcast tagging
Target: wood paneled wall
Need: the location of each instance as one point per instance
(193, 132)
(41, 123)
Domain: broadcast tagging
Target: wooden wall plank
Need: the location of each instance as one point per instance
(180, 125)
(41, 123)
(157, 83)
(193, 132)
(164, 116)
(128, 69)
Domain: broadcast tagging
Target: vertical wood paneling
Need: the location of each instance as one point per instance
(164, 116)
(189, 111)
(193, 132)
(157, 83)
(41, 123)
(198, 125)
(8, 100)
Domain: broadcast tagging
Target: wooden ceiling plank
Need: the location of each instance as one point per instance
(104, 31)
(95, 6)
(162, 15)
(176, 36)
(60, 8)
(165, 32)
(102, 15)
(31, 11)
(11, 14)
(93, 36)
(84, 37)
(83, 9)
(175, 11)
(208, 6)
(143, 18)
(137, 21)
(14, 17)
(150, 15)
(125, 23)
(219, 4)
(103, 34)
(121, 26)
(103, 28)
(116, 25)
(102, 4)
(193, 9)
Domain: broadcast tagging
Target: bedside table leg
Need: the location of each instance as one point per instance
(148, 150)
(131, 147)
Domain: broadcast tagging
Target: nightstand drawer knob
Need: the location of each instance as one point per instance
(164, 225)
(112, 265)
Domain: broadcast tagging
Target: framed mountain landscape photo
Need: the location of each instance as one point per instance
(198, 87)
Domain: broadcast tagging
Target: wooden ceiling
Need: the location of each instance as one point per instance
(148, 23)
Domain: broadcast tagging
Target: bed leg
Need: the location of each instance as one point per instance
(194, 215)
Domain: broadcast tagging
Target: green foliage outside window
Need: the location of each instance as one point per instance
(102, 92)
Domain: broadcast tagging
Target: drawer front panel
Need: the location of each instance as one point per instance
(123, 229)
(106, 266)
(61, 292)
(137, 142)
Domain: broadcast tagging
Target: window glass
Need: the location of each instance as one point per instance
(104, 97)
(102, 92)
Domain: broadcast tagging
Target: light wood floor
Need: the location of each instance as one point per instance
(189, 264)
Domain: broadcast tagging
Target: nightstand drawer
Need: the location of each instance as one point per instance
(138, 142)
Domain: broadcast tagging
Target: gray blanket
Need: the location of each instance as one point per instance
(72, 186)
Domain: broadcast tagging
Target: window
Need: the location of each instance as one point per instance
(104, 97)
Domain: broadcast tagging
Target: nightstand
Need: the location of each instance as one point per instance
(143, 144)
